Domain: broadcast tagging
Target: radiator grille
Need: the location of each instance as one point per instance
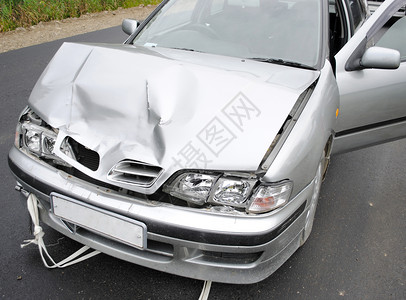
(85, 156)
(135, 172)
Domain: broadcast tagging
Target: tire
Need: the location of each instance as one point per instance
(313, 202)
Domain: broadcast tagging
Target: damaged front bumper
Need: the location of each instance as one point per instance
(184, 241)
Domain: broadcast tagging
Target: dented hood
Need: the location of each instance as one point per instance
(166, 107)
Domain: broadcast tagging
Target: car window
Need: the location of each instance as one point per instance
(278, 29)
(176, 14)
(243, 3)
(180, 13)
(216, 6)
(358, 11)
(394, 37)
(338, 30)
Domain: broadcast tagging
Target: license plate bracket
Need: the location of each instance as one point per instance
(111, 225)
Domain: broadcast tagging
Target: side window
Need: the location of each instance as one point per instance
(358, 12)
(394, 36)
(338, 29)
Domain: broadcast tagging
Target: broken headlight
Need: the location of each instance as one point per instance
(232, 191)
(37, 137)
(38, 140)
(229, 190)
(191, 187)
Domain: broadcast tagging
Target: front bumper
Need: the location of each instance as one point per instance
(183, 241)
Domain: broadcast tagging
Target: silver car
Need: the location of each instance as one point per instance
(198, 147)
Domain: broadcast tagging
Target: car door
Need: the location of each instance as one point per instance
(372, 99)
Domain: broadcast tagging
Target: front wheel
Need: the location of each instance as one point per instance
(313, 202)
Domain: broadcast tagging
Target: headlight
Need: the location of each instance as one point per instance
(232, 191)
(270, 197)
(37, 137)
(32, 139)
(229, 191)
(38, 140)
(191, 187)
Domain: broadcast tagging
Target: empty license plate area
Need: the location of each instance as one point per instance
(108, 224)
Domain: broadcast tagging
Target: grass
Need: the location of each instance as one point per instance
(25, 13)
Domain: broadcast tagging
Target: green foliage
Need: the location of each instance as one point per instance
(24, 13)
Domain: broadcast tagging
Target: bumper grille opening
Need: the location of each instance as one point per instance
(230, 258)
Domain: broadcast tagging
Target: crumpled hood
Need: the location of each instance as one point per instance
(165, 107)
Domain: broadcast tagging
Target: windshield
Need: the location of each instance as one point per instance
(265, 30)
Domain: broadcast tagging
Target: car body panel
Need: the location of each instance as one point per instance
(302, 168)
(371, 100)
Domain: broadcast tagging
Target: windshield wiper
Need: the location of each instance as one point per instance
(280, 61)
(186, 49)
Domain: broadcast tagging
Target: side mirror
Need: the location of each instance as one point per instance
(129, 26)
(380, 58)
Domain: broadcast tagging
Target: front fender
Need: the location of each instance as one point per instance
(300, 154)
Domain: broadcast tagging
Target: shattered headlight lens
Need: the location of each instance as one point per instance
(32, 140)
(191, 187)
(270, 197)
(38, 140)
(232, 191)
(37, 137)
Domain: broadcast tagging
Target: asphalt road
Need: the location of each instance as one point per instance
(357, 249)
